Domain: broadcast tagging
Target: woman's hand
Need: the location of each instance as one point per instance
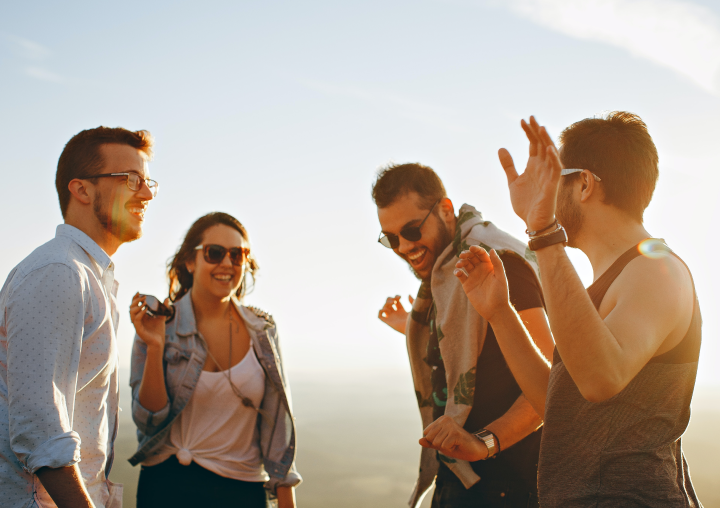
(534, 193)
(394, 314)
(483, 279)
(450, 439)
(150, 329)
(286, 497)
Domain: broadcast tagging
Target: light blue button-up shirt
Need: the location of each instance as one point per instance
(58, 368)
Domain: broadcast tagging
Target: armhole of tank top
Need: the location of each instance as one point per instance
(688, 349)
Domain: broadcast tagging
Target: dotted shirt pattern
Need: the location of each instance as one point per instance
(58, 368)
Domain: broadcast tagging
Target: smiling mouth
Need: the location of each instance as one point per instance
(136, 210)
(223, 277)
(417, 256)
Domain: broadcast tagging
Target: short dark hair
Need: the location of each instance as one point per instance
(180, 279)
(618, 148)
(82, 156)
(397, 180)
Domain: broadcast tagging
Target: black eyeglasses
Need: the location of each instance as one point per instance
(214, 254)
(411, 233)
(134, 181)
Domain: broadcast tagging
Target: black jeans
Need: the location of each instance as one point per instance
(173, 485)
(506, 493)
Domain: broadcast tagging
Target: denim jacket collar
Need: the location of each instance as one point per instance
(187, 325)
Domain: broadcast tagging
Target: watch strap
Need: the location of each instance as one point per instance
(557, 236)
(490, 441)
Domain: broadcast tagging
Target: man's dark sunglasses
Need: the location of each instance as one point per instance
(411, 233)
(214, 254)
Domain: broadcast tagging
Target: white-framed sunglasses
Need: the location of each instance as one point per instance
(570, 171)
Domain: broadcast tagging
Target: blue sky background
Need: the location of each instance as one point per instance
(280, 113)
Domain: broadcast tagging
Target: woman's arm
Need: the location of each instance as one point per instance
(286, 497)
(151, 394)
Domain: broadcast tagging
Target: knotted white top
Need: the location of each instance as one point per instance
(216, 430)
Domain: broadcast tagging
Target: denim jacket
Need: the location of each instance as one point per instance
(184, 358)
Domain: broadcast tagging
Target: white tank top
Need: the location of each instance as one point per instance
(216, 430)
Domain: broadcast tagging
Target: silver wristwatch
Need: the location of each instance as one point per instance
(490, 441)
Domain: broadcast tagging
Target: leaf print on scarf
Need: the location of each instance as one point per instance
(423, 402)
(438, 401)
(445, 459)
(464, 390)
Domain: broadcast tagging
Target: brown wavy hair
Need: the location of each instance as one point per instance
(181, 280)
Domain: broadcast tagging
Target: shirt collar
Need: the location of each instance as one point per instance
(87, 244)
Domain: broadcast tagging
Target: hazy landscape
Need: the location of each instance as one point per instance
(358, 442)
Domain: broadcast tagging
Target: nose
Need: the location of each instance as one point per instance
(144, 192)
(405, 246)
(226, 260)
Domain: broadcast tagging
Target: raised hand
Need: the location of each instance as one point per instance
(450, 439)
(394, 314)
(534, 193)
(150, 329)
(483, 279)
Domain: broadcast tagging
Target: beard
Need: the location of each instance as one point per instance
(112, 223)
(568, 214)
(443, 239)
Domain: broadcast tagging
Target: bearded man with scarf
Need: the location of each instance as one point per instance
(469, 401)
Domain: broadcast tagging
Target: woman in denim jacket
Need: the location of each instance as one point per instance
(210, 398)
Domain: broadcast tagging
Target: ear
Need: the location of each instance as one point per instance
(81, 191)
(447, 210)
(190, 265)
(588, 187)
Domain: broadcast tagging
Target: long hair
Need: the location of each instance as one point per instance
(180, 279)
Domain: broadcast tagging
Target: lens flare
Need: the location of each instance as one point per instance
(653, 248)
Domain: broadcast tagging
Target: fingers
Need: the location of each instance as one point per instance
(497, 262)
(531, 135)
(508, 165)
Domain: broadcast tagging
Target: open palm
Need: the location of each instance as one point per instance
(483, 279)
(534, 193)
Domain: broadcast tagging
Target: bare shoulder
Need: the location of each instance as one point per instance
(657, 288)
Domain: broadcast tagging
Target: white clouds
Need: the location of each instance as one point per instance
(680, 35)
(43, 74)
(36, 53)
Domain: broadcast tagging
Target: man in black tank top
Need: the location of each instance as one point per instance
(616, 398)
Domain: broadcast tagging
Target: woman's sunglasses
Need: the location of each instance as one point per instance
(214, 254)
(411, 233)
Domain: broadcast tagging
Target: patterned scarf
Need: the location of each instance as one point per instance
(461, 333)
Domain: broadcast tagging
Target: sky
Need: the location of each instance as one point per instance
(280, 113)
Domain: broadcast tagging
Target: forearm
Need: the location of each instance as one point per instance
(286, 497)
(527, 363)
(588, 349)
(65, 486)
(152, 393)
(517, 423)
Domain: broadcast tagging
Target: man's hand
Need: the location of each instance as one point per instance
(394, 314)
(534, 193)
(485, 283)
(150, 329)
(450, 439)
(286, 497)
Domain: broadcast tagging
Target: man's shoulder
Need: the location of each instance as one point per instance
(60, 253)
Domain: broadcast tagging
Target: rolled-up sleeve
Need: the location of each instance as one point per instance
(45, 319)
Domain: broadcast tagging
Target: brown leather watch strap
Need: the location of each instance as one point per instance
(557, 236)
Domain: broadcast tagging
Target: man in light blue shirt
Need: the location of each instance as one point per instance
(58, 324)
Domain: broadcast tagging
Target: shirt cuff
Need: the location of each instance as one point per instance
(146, 418)
(58, 451)
(292, 479)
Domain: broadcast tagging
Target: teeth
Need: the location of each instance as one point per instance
(413, 257)
(136, 210)
(224, 278)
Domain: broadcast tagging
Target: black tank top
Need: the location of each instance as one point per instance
(624, 451)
